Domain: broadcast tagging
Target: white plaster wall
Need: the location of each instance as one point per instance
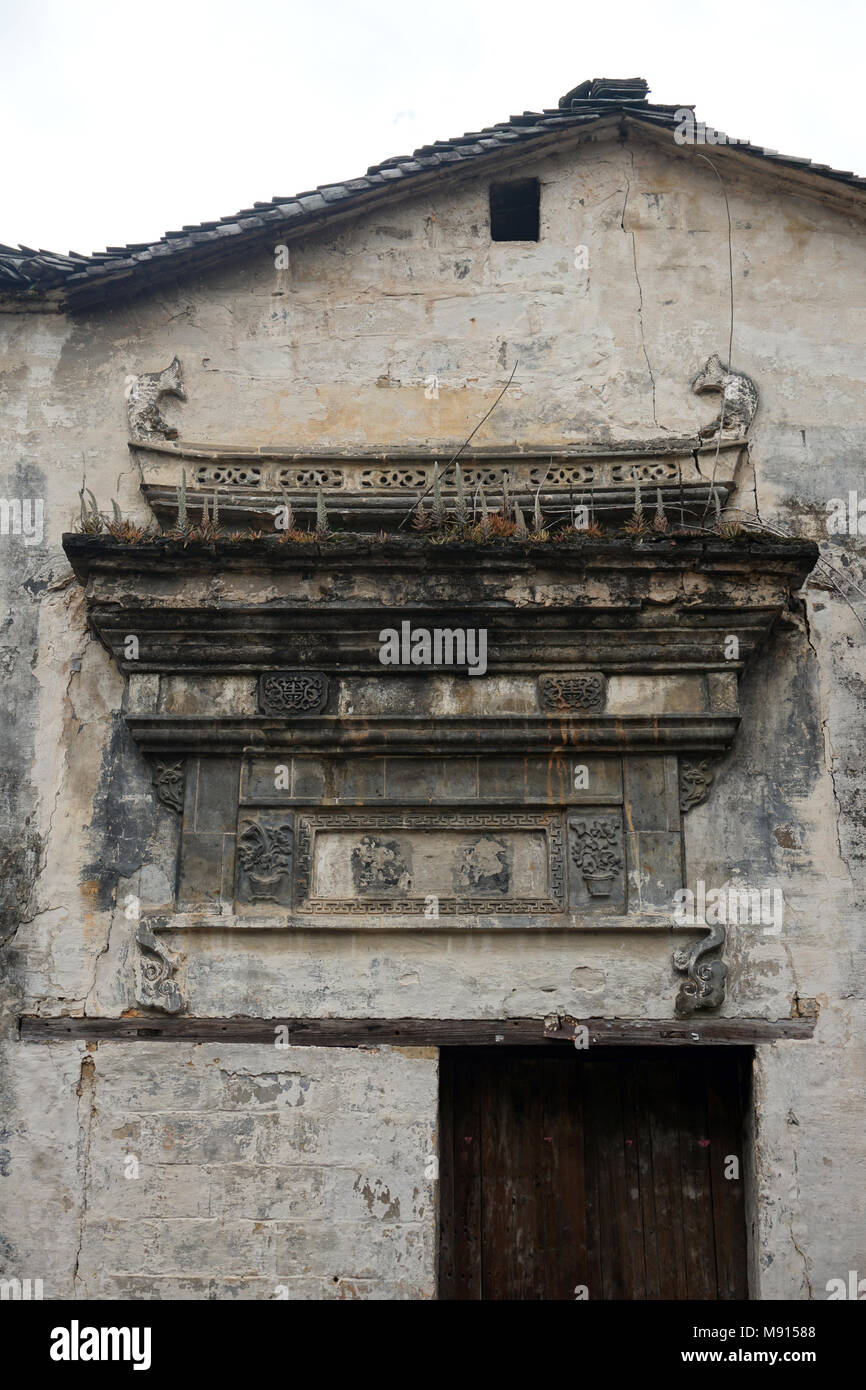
(335, 352)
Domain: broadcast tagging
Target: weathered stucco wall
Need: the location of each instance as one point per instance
(336, 352)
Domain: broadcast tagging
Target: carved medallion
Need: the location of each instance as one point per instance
(293, 692)
(597, 851)
(581, 692)
(169, 779)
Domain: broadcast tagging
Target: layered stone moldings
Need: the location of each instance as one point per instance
(368, 491)
(265, 848)
(585, 691)
(293, 692)
(402, 862)
(705, 986)
(696, 779)
(143, 394)
(169, 780)
(155, 989)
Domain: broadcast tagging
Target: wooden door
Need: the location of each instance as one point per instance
(563, 1170)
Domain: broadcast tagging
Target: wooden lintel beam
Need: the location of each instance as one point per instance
(419, 1032)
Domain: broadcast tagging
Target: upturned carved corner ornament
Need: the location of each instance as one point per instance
(155, 989)
(143, 395)
(705, 986)
(169, 779)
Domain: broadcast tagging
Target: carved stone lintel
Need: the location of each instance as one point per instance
(696, 778)
(585, 691)
(705, 986)
(155, 989)
(143, 394)
(293, 692)
(169, 780)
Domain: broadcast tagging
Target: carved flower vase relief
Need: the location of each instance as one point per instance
(596, 852)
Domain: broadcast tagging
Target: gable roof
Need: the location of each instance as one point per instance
(76, 281)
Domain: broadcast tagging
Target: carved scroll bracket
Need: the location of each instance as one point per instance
(705, 986)
(155, 989)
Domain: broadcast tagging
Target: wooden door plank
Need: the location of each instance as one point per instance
(724, 1112)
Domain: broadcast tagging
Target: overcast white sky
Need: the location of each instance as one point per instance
(121, 121)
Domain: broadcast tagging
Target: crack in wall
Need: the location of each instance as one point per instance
(639, 289)
(87, 1103)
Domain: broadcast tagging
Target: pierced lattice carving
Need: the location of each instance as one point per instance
(569, 475)
(655, 472)
(393, 477)
(310, 477)
(229, 475)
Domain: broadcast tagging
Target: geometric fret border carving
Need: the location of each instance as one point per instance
(550, 823)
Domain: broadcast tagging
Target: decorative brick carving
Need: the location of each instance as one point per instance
(169, 780)
(293, 692)
(378, 864)
(696, 778)
(229, 475)
(597, 851)
(705, 986)
(383, 861)
(265, 852)
(155, 989)
(566, 693)
(310, 477)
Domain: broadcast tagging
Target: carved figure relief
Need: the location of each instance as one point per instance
(265, 853)
(739, 399)
(143, 394)
(582, 692)
(169, 780)
(597, 851)
(705, 986)
(155, 989)
(293, 692)
(380, 864)
(485, 867)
